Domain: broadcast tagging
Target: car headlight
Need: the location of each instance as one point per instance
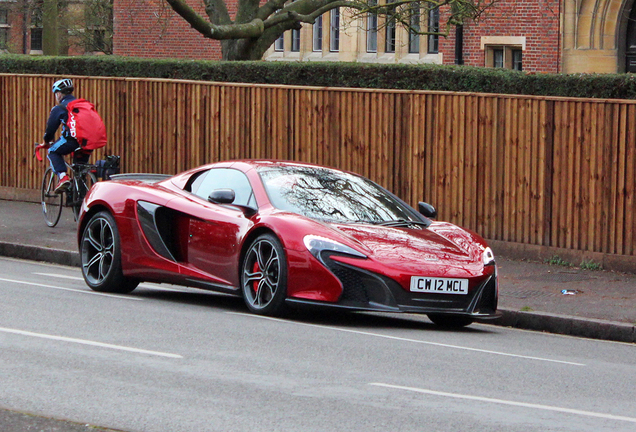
(488, 257)
(316, 245)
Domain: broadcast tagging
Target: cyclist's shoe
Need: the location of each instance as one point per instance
(62, 185)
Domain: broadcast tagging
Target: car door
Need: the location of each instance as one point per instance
(215, 230)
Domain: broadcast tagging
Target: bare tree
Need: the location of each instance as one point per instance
(57, 24)
(256, 26)
(91, 26)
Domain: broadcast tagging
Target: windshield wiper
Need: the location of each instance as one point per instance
(401, 222)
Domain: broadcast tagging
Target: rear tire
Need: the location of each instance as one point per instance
(100, 253)
(51, 202)
(450, 321)
(82, 186)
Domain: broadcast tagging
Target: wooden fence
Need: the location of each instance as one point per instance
(534, 170)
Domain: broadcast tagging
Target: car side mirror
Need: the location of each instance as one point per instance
(222, 196)
(427, 210)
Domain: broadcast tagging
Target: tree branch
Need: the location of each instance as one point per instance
(194, 19)
(251, 29)
(219, 32)
(291, 13)
(293, 16)
(269, 8)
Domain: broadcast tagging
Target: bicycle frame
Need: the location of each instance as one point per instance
(82, 179)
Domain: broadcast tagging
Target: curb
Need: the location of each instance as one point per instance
(537, 321)
(36, 253)
(568, 325)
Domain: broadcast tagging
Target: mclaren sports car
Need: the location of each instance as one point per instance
(285, 235)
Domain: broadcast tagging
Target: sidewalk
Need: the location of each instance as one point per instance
(600, 304)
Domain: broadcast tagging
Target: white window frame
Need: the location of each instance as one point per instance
(415, 22)
(295, 40)
(279, 44)
(432, 42)
(390, 33)
(372, 29)
(317, 34)
(334, 30)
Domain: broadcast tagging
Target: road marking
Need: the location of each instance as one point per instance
(70, 289)
(511, 403)
(411, 340)
(142, 285)
(77, 278)
(91, 343)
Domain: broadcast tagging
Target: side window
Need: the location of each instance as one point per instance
(224, 178)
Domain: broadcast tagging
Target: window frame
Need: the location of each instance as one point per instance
(517, 62)
(4, 12)
(295, 40)
(415, 23)
(317, 36)
(334, 30)
(372, 30)
(279, 43)
(432, 42)
(498, 57)
(390, 30)
(5, 27)
(504, 56)
(34, 31)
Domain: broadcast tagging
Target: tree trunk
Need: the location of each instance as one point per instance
(242, 49)
(50, 35)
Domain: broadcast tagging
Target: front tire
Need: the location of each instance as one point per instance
(264, 276)
(51, 202)
(100, 253)
(450, 321)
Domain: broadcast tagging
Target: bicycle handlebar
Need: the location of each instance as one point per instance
(39, 147)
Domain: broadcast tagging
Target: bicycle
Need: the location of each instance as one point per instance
(82, 178)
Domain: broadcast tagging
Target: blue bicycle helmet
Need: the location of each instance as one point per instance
(64, 85)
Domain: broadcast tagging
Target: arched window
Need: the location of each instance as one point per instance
(630, 46)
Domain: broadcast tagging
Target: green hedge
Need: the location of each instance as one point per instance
(332, 74)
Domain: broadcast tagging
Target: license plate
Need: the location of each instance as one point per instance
(439, 285)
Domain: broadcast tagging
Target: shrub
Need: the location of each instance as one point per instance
(335, 74)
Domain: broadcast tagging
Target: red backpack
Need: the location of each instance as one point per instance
(85, 124)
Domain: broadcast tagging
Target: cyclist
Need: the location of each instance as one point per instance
(66, 144)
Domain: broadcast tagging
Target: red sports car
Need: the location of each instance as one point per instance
(284, 234)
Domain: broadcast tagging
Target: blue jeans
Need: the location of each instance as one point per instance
(61, 148)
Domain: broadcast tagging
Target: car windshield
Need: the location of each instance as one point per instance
(333, 196)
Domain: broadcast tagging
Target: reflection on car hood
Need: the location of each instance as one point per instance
(414, 245)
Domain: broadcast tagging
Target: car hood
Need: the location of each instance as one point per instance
(440, 243)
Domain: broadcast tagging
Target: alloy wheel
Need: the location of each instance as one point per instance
(98, 249)
(261, 274)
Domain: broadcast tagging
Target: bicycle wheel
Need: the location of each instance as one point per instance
(81, 186)
(51, 202)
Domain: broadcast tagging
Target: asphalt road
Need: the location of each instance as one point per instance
(174, 359)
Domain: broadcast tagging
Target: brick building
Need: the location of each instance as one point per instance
(20, 29)
(23, 28)
(522, 34)
(516, 34)
(149, 28)
(532, 35)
